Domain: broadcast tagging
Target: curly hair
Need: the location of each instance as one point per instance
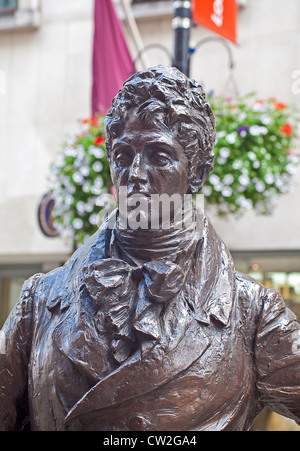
(165, 97)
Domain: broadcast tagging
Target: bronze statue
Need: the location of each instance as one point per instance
(150, 328)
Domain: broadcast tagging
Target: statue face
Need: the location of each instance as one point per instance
(147, 159)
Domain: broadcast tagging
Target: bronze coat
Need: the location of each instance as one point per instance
(227, 347)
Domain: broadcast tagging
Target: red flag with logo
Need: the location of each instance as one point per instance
(219, 16)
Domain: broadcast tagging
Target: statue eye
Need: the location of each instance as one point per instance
(161, 159)
(124, 158)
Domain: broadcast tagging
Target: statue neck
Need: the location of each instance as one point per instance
(142, 245)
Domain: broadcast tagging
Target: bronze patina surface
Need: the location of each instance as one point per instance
(146, 328)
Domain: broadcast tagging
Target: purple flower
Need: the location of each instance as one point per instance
(244, 128)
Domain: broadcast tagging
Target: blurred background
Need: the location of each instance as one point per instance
(47, 77)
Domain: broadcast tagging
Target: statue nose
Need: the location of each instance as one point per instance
(137, 170)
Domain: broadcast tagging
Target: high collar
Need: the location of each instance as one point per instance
(173, 242)
(212, 273)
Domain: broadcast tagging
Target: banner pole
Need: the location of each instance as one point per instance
(134, 31)
(181, 25)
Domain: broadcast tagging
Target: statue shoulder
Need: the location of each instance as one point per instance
(55, 286)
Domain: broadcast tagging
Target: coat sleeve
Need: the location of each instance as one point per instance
(15, 345)
(277, 356)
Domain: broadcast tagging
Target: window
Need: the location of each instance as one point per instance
(8, 6)
(279, 270)
(12, 278)
(20, 15)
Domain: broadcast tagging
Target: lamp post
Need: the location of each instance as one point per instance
(181, 25)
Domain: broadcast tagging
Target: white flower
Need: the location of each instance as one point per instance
(98, 166)
(263, 130)
(242, 116)
(266, 119)
(80, 207)
(86, 188)
(259, 107)
(221, 160)
(84, 170)
(206, 190)
(254, 130)
(70, 151)
(260, 187)
(221, 134)
(269, 179)
(252, 156)
(96, 190)
(77, 177)
(231, 138)
(214, 179)
(244, 180)
(89, 207)
(77, 223)
(228, 179)
(99, 182)
(256, 164)
(218, 187)
(71, 189)
(68, 199)
(279, 183)
(293, 159)
(244, 203)
(291, 169)
(227, 191)
(93, 219)
(237, 164)
(96, 151)
(224, 152)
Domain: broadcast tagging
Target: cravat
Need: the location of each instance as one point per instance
(132, 297)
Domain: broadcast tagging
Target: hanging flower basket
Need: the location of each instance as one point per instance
(80, 182)
(255, 154)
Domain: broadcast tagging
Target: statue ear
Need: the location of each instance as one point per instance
(199, 177)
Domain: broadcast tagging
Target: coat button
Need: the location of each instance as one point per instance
(137, 423)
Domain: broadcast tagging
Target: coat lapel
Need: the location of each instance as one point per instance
(77, 337)
(140, 375)
(77, 334)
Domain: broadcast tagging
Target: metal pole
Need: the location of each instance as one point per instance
(181, 25)
(134, 31)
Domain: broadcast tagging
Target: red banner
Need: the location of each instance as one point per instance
(112, 63)
(219, 16)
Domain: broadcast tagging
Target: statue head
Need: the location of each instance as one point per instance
(166, 101)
